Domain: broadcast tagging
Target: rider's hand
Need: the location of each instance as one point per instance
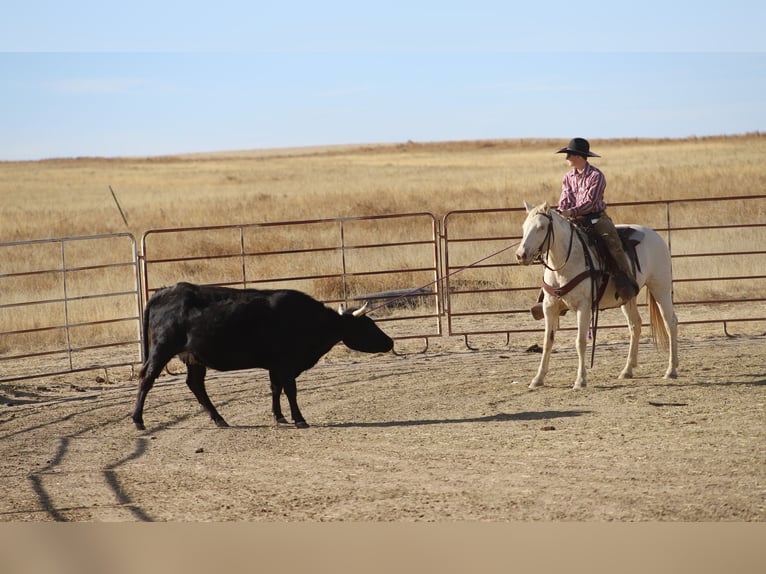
(568, 213)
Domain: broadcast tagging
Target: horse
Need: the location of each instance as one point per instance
(551, 237)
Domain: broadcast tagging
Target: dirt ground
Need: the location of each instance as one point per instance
(448, 435)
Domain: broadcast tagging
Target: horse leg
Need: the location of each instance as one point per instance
(670, 322)
(630, 310)
(551, 315)
(581, 344)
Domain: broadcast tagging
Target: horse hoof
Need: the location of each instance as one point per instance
(578, 386)
(535, 385)
(671, 375)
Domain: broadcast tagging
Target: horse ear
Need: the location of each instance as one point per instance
(546, 207)
(527, 206)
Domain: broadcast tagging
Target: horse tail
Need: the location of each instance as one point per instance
(657, 324)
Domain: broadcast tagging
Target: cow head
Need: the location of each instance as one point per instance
(360, 333)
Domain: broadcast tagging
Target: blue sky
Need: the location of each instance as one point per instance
(98, 78)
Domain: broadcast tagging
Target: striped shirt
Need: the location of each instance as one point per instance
(583, 193)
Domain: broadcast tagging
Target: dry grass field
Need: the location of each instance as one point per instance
(65, 197)
(450, 435)
(72, 197)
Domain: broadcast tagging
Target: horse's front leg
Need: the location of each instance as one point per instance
(551, 313)
(581, 344)
(630, 310)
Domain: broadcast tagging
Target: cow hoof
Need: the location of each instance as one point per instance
(220, 423)
(140, 426)
(280, 420)
(301, 425)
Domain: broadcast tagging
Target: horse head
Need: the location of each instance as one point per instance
(535, 232)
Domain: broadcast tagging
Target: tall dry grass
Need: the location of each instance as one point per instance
(64, 197)
(71, 197)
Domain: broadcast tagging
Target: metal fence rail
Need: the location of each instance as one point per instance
(719, 264)
(339, 261)
(75, 304)
(69, 304)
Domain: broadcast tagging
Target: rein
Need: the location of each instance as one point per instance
(597, 291)
(549, 239)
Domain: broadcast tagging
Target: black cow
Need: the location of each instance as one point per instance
(283, 331)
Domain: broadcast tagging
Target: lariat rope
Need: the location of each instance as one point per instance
(418, 290)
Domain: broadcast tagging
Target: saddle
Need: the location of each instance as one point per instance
(629, 236)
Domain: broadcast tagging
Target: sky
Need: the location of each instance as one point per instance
(143, 78)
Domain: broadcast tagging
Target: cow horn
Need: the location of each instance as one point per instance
(361, 311)
(341, 309)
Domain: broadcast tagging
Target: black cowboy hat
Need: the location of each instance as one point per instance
(578, 146)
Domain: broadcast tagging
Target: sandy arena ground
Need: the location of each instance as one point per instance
(448, 435)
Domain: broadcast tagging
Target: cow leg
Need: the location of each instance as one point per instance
(146, 377)
(276, 393)
(292, 397)
(286, 383)
(146, 382)
(195, 379)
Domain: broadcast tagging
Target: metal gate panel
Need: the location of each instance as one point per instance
(719, 264)
(68, 304)
(347, 261)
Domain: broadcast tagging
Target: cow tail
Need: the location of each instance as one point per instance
(145, 336)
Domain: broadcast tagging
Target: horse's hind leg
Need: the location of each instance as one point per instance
(670, 323)
(630, 310)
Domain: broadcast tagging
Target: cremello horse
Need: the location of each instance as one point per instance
(551, 237)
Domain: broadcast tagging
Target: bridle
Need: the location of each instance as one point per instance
(549, 237)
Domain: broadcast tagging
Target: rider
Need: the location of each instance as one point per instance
(582, 201)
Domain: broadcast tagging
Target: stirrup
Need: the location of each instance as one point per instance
(537, 311)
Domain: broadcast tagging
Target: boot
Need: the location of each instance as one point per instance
(537, 308)
(625, 286)
(619, 264)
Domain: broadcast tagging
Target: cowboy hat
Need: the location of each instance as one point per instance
(578, 146)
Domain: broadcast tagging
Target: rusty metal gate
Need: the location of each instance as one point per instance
(346, 261)
(719, 265)
(68, 305)
(75, 304)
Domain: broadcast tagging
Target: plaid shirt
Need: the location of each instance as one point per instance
(583, 193)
